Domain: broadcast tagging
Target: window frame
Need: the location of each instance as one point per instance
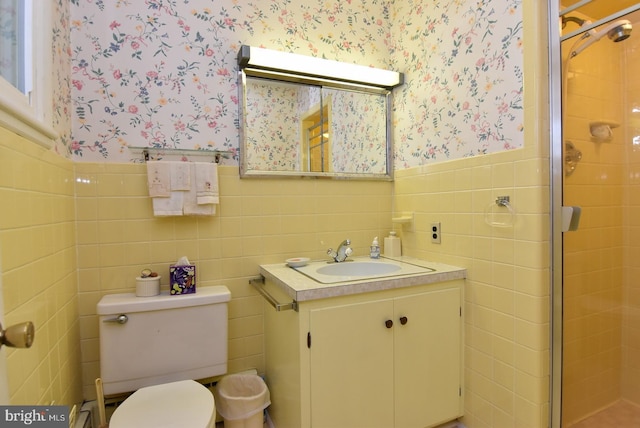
(31, 115)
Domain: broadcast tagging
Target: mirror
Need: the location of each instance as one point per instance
(294, 125)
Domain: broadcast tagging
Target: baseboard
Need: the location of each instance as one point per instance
(88, 415)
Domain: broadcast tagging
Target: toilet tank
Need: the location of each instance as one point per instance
(165, 338)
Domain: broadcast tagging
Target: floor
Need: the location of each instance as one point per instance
(269, 424)
(221, 425)
(622, 414)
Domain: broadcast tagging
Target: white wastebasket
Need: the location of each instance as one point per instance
(241, 399)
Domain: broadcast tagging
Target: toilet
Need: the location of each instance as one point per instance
(156, 346)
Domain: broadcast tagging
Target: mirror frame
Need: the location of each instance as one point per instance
(246, 69)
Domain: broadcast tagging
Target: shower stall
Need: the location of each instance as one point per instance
(596, 333)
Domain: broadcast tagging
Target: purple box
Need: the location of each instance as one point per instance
(182, 279)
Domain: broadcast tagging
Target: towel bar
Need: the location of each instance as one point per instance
(258, 284)
(217, 154)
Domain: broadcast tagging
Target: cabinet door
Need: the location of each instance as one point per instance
(427, 358)
(351, 359)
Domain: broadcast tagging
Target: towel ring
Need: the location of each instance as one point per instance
(494, 216)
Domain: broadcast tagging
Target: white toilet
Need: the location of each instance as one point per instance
(156, 346)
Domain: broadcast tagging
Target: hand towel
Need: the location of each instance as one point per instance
(180, 175)
(171, 206)
(183, 188)
(192, 208)
(190, 203)
(167, 182)
(159, 179)
(206, 180)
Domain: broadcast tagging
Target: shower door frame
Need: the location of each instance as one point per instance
(556, 194)
(555, 168)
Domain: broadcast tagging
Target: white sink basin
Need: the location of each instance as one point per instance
(358, 269)
(330, 273)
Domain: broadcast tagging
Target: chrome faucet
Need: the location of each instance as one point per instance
(344, 251)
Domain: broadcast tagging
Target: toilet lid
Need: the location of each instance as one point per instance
(178, 404)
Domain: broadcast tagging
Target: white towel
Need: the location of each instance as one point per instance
(163, 177)
(191, 208)
(192, 205)
(171, 206)
(180, 175)
(159, 179)
(180, 188)
(206, 178)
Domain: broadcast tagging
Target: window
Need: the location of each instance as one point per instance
(15, 44)
(25, 64)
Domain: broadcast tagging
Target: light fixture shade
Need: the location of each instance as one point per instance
(265, 61)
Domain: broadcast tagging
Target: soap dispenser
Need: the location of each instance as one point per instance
(375, 249)
(392, 245)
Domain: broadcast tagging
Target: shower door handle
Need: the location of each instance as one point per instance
(570, 218)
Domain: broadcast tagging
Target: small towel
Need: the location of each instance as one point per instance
(171, 206)
(162, 177)
(159, 179)
(190, 208)
(192, 205)
(183, 188)
(206, 178)
(180, 176)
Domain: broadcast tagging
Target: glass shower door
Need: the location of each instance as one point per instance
(601, 260)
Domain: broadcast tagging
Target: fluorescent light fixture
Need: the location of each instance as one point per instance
(267, 60)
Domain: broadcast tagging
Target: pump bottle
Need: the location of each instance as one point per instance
(375, 249)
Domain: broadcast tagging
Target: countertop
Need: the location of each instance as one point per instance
(302, 288)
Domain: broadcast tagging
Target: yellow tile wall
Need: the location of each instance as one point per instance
(507, 288)
(258, 221)
(37, 250)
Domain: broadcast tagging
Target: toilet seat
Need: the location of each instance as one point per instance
(179, 404)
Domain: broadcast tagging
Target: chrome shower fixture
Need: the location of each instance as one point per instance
(616, 31)
(577, 20)
(620, 32)
(571, 158)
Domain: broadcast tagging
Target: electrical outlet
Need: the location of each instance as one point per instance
(435, 233)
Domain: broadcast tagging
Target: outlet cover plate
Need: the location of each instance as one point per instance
(435, 232)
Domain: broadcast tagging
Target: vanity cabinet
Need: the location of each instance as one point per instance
(384, 359)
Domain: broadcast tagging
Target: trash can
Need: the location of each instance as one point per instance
(241, 399)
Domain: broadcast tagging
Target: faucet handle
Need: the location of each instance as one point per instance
(348, 252)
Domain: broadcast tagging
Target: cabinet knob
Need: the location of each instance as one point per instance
(388, 323)
(403, 320)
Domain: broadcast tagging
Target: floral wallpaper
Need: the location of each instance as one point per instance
(61, 71)
(162, 73)
(358, 132)
(272, 138)
(463, 64)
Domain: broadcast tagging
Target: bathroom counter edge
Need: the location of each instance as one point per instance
(301, 288)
